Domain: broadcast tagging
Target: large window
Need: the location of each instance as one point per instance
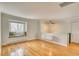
(17, 29)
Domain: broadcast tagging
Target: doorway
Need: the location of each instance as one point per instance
(75, 32)
(69, 37)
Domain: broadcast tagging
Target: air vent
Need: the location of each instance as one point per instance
(66, 4)
(50, 22)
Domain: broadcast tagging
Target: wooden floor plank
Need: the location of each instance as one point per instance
(43, 48)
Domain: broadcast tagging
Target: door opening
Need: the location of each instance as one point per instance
(69, 37)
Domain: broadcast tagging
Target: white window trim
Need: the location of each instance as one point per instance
(21, 22)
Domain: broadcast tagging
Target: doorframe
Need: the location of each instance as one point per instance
(71, 30)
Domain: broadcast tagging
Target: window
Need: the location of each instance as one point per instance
(17, 29)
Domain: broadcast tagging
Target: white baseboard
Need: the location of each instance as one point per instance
(57, 43)
(17, 42)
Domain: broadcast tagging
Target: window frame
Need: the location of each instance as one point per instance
(20, 22)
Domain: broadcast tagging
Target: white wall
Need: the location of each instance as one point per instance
(31, 29)
(35, 30)
(0, 24)
(0, 28)
(75, 29)
(75, 32)
(0, 31)
(60, 30)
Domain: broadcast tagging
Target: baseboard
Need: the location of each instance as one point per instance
(60, 44)
(8, 44)
(75, 43)
(57, 43)
(33, 40)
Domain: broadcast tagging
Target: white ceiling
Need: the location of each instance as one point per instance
(40, 10)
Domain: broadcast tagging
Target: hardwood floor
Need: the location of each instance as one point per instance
(42, 48)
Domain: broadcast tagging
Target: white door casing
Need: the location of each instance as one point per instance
(75, 32)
